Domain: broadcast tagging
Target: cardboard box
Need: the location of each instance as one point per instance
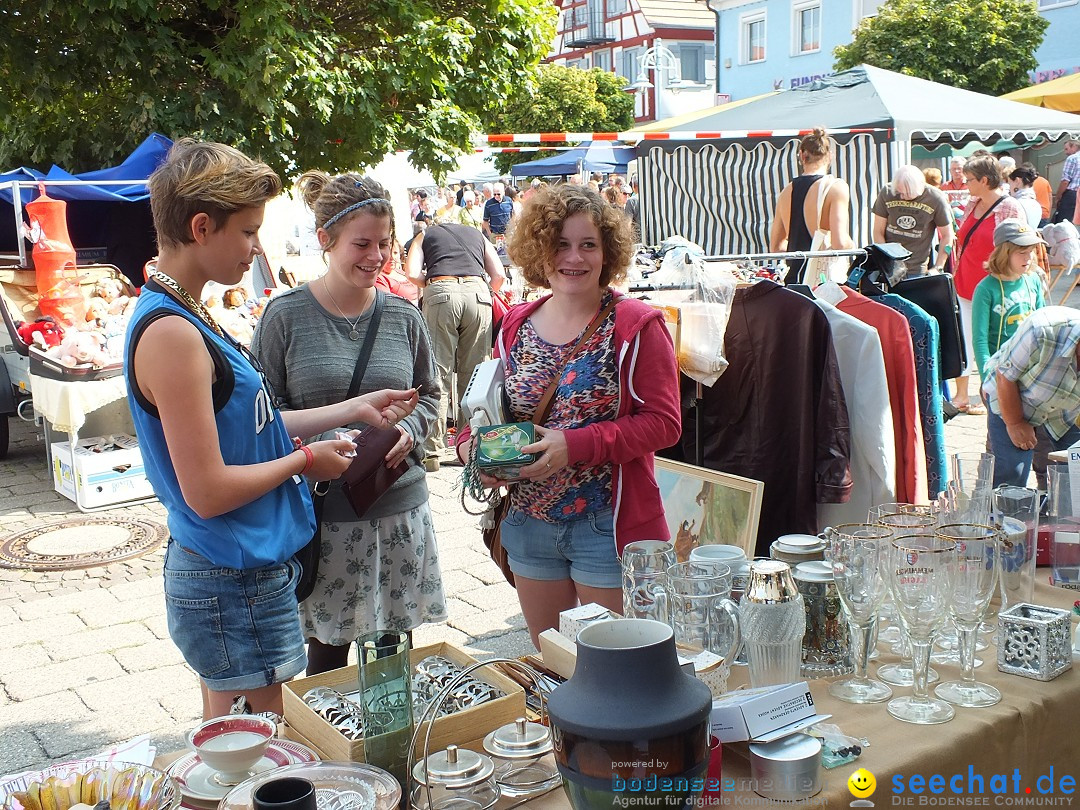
(764, 714)
(573, 621)
(113, 475)
(465, 728)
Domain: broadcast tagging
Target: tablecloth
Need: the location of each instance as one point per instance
(1034, 731)
(66, 404)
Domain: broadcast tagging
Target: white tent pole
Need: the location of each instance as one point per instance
(901, 153)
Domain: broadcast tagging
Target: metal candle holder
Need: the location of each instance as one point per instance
(432, 710)
(1035, 641)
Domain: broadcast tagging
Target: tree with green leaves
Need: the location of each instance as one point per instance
(563, 99)
(983, 45)
(330, 84)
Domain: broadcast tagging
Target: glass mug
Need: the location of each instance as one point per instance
(696, 601)
(643, 565)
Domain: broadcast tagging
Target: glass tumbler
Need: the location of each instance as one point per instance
(386, 700)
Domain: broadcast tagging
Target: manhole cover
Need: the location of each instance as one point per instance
(86, 541)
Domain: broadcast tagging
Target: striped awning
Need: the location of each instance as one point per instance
(635, 136)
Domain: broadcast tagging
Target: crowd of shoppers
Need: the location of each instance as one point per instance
(234, 439)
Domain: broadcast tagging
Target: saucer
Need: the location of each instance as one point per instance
(199, 782)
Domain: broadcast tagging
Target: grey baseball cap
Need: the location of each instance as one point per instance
(1016, 231)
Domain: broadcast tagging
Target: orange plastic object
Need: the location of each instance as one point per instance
(54, 258)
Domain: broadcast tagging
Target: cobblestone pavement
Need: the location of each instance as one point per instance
(87, 660)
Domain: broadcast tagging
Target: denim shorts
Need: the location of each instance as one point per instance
(236, 629)
(581, 549)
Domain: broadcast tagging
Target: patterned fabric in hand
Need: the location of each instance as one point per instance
(588, 392)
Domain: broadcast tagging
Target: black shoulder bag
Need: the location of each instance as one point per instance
(309, 555)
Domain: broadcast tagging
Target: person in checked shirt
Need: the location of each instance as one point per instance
(1033, 380)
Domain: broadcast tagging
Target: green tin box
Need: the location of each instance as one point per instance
(499, 451)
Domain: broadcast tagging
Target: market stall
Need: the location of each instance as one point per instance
(719, 190)
(596, 157)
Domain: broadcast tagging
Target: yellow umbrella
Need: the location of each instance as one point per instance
(1058, 94)
(687, 118)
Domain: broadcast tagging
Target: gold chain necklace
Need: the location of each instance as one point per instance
(189, 301)
(353, 333)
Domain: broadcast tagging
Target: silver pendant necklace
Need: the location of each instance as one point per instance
(353, 333)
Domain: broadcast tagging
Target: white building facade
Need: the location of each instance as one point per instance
(669, 43)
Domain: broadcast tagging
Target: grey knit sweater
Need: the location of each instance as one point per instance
(309, 361)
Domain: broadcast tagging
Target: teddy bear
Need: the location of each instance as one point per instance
(44, 332)
(111, 291)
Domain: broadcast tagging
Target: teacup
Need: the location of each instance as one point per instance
(232, 745)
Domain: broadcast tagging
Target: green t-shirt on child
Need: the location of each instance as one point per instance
(998, 307)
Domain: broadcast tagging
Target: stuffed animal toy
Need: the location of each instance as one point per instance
(45, 332)
(1063, 244)
(97, 310)
(80, 348)
(111, 291)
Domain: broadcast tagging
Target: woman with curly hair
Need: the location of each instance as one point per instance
(592, 489)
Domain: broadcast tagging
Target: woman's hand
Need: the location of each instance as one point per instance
(400, 451)
(1022, 435)
(550, 448)
(329, 459)
(385, 408)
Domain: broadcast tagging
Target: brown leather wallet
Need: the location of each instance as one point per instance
(368, 477)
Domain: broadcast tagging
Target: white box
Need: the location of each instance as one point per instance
(573, 621)
(763, 714)
(102, 477)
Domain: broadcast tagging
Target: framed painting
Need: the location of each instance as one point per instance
(705, 506)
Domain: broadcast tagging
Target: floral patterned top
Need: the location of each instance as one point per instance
(588, 392)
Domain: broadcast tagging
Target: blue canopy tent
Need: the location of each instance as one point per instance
(600, 156)
(107, 223)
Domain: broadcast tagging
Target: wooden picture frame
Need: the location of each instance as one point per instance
(724, 507)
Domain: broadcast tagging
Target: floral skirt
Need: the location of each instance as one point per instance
(378, 574)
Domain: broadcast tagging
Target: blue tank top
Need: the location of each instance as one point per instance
(266, 531)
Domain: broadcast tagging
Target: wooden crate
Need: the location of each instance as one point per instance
(465, 728)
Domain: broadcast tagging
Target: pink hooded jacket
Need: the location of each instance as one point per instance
(648, 416)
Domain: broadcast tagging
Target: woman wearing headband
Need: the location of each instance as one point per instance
(379, 571)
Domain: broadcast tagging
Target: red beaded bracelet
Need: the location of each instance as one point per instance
(310, 458)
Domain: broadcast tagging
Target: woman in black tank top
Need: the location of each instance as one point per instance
(790, 230)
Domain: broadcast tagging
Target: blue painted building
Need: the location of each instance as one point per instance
(779, 44)
(1058, 53)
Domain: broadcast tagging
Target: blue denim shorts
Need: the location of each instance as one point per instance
(236, 629)
(582, 549)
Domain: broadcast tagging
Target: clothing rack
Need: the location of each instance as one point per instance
(750, 258)
(699, 411)
(796, 254)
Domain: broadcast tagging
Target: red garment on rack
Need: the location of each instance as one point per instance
(892, 328)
